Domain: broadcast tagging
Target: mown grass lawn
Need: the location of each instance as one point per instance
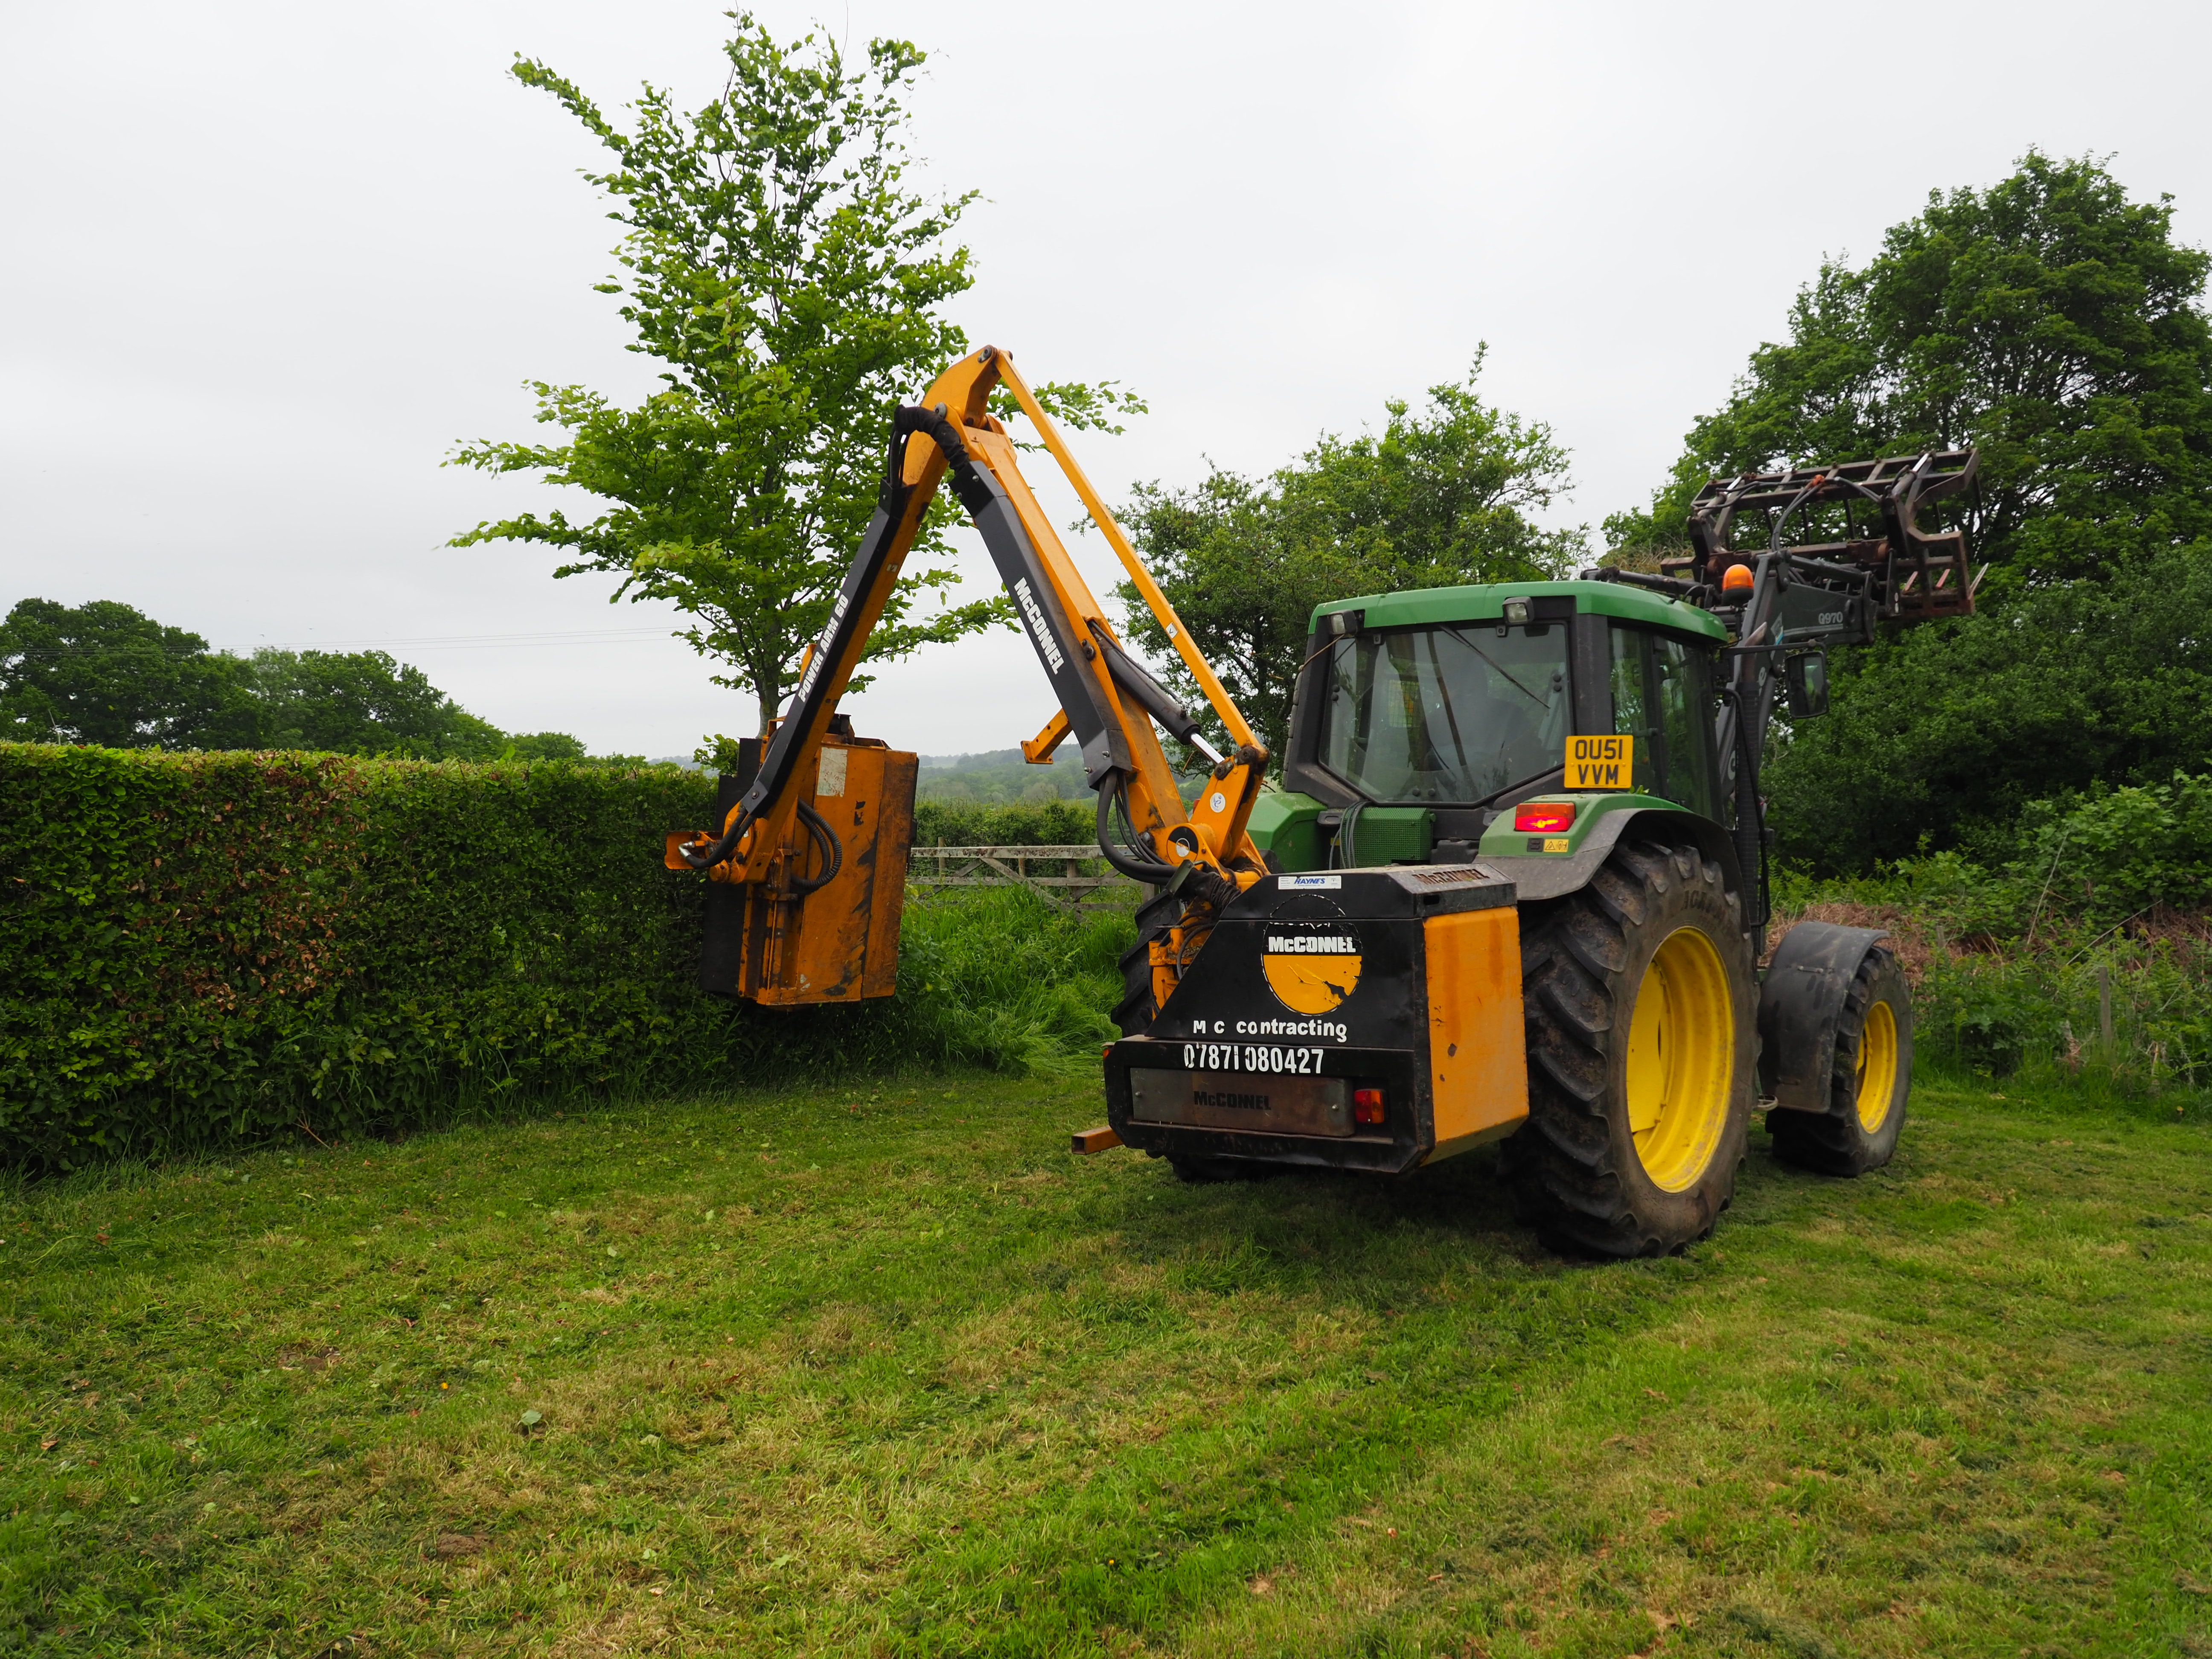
(888, 1371)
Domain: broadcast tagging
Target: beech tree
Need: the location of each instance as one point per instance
(790, 283)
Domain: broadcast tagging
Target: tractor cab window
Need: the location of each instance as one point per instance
(1447, 713)
(1662, 696)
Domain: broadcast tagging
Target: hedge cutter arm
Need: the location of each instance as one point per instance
(1107, 700)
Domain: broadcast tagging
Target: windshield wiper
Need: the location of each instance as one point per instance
(1540, 701)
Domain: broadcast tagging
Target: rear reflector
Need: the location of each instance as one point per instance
(1367, 1105)
(1544, 817)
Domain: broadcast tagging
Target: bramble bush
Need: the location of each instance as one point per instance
(2039, 1012)
(204, 948)
(2087, 903)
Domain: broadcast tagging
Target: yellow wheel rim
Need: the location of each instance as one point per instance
(1681, 1060)
(1877, 1067)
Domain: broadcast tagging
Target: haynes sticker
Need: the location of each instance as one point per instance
(1307, 884)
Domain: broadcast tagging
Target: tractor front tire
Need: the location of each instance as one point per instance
(1641, 1006)
(1868, 1086)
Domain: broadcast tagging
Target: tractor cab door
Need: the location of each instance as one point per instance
(1664, 696)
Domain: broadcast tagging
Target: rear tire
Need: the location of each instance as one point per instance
(1136, 1010)
(1868, 1086)
(1641, 1006)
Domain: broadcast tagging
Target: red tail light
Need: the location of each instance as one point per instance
(1544, 817)
(1367, 1105)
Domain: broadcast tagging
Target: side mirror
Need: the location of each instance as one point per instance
(1809, 685)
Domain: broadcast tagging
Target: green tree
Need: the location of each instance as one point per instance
(790, 283)
(1444, 496)
(2048, 320)
(1941, 738)
(363, 702)
(552, 746)
(103, 672)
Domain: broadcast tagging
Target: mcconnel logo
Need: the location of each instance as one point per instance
(1311, 966)
(1033, 613)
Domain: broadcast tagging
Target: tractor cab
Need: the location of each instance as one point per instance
(1440, 725)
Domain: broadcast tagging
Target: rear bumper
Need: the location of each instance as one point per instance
(1399, 1143)
(1311, 988)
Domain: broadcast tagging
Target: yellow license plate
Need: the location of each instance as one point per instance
(1595, 762)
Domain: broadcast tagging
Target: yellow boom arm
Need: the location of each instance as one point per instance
(1108, 702)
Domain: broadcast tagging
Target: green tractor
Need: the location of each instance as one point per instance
(1517, 885)
(1514, 885)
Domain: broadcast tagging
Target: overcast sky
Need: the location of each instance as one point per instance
(266, 263)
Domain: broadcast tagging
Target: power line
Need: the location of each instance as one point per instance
(472, 642)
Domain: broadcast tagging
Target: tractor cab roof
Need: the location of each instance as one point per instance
(1485, 603)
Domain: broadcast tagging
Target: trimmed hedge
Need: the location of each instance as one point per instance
(200, 948)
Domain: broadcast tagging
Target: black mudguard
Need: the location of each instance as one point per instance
(1799, 1007)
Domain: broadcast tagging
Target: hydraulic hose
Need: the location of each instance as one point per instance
(1201, 889)
(1674, 588)
(706, 858)
(833, 852)
(1151, 871)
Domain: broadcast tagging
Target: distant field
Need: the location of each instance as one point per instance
(1002, 776)
(888, 1372)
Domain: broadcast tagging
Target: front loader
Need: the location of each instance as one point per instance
(1512, 887)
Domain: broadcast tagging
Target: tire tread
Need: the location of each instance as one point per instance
(1835, 1142)
(1562, 1160)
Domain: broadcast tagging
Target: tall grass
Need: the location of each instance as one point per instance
(998, 977)
(2078, 950)
(2130, 1015)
